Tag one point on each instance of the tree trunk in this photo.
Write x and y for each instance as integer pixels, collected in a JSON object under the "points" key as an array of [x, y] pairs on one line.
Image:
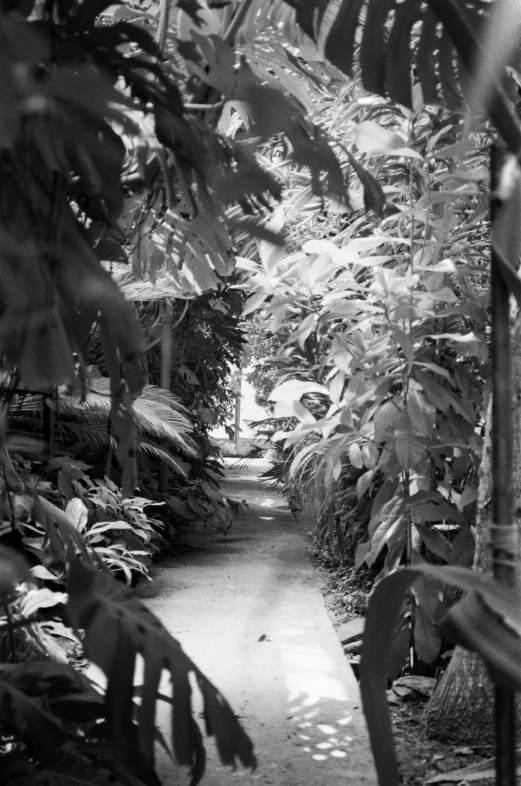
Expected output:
{"points": [[461, 708]]}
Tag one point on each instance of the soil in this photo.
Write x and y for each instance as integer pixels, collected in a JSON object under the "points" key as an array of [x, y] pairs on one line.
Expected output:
{"points": [[345, 593]]}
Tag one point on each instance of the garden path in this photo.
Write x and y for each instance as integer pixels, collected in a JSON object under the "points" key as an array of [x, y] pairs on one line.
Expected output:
{"points": [[248, 610]]}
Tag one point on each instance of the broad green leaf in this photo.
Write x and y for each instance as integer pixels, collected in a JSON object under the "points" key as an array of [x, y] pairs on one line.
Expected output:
{"points": [[374, 197], [427, 640], [363, 483], [463, 548], [41, 572], [355, 455], [117, 628], [270, 253], [64, 538], [39, 699], [459, 338], [406, 344], [78, 513], [254, 302], [370, 137], [445, 295], [364, 244], [320, 269], [401, 152], [320, 247], [400, 650], [78, 764], [390, 531], [435, 392], [432, 511], [500, 39], [478, 622], [385, 494], [421, 413], [43, 598], [468, 496], [336, 387], [409, 451], [385, 418], [293, 409], [370, 455], [301, 456], [362, 551], [294, 389], [434, 541]]}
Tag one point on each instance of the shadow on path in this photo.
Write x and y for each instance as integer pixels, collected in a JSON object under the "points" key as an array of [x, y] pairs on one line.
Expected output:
{"points": [[248, 609]]}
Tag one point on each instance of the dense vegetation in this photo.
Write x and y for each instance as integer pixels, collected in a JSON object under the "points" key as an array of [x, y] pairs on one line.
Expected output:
{"points": [[142, 149]]}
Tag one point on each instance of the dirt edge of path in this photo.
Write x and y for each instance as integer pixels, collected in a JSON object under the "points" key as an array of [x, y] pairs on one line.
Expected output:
{"points": [[345, 595]]}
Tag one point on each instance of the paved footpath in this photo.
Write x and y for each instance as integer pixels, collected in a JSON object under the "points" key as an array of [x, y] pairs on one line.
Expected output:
{"points": [[248, 610]]}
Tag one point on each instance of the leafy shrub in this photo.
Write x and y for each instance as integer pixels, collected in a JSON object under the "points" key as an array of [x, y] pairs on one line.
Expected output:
{"points": [[116, 528], [383, 364]]}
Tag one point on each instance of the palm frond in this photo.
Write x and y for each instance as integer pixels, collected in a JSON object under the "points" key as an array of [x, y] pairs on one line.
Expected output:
{"points": [[152, 450], [88, 434], [158, 413]]}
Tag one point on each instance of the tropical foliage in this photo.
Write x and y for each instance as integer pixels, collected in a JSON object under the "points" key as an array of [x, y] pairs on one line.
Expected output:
{"points": [[73, 729], [131, 138]]}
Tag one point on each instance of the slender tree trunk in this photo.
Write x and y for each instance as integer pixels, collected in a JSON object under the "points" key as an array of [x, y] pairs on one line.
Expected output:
{"points": [[462, 706]]}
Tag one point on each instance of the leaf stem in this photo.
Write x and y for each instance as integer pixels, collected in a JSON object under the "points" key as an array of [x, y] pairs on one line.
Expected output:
{"points": [[237, 20], [11, 634]]}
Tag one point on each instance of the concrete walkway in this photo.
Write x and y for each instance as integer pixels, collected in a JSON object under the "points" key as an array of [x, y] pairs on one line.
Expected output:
{"points": [[249, 611]]}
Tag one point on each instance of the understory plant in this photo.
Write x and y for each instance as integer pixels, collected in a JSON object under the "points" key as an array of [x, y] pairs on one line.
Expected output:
{"points": [[383, 366], [63, 727], [118, 530]]}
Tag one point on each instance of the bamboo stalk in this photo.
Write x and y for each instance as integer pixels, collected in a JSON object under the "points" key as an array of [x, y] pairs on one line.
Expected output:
{"points": [[502, 455]]}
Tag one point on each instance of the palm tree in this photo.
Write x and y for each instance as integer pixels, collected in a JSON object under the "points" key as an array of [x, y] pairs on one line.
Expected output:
{"points": [[163, 424]]}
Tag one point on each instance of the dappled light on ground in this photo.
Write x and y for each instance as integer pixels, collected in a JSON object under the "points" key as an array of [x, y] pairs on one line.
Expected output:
{"points": [[315, 692]]}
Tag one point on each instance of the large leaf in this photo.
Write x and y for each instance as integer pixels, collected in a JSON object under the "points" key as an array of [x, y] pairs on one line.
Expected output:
{"points": [[396, 36], [294, 389], [486, 621], [117, 628], [41, 701], [72, 766], [158, 413]]}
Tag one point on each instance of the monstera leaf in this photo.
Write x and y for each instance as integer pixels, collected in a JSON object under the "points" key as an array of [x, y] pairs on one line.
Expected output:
{"points": [[440, 39], [42, 702], [486, 621], [71, 767], [118, 628]]}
